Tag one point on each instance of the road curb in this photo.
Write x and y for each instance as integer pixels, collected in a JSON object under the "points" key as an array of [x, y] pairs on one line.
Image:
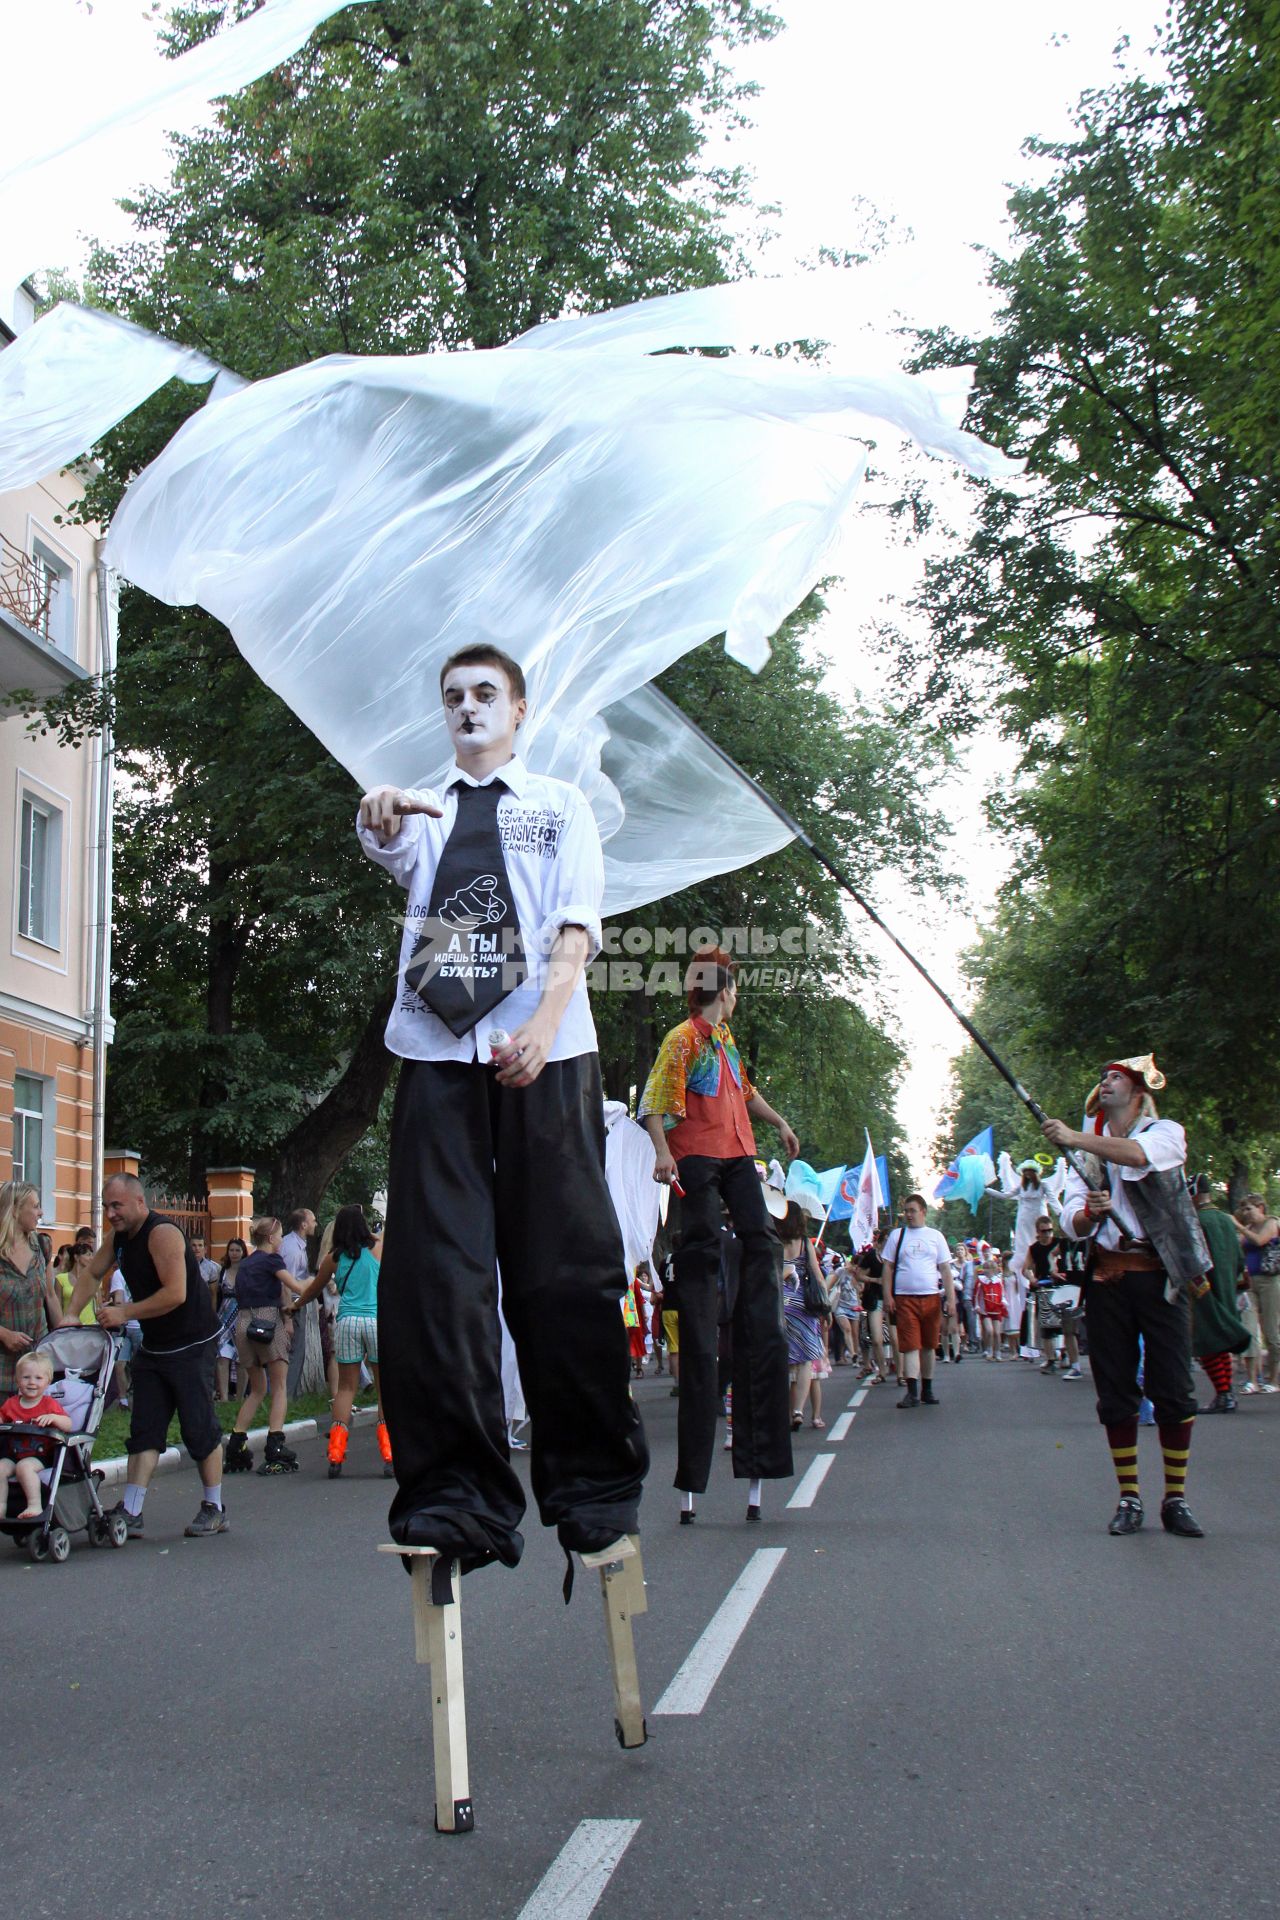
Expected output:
{"points": [[114, 1471]]}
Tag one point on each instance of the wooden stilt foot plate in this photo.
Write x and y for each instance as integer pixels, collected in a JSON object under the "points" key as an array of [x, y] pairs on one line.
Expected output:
{"points": [[437, 1636], [622, 1591]]}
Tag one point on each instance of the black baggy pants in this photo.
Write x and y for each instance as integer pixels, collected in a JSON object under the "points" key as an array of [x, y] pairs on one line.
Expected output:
{"points": [[1116, 1312], [480, 1176], [761, 1401]]}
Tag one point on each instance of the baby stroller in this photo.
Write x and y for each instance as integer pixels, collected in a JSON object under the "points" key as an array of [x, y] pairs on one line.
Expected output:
{"points": [[84, 1360]]}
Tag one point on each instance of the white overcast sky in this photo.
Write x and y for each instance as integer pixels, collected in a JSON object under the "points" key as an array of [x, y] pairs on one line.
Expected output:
{"points": [[920, 111]]}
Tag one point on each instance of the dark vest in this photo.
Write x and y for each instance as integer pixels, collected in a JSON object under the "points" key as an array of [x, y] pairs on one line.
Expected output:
{"points": [[193, 1319], [1167, 1215]]}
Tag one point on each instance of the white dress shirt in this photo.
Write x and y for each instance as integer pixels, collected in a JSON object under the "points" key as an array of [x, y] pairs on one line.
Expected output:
{"points": [[551, 845], [1165, 1144]]}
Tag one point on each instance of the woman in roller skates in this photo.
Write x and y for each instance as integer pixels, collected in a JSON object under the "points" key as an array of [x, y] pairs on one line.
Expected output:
{"points": [[352, 1265], [262, 1344]]}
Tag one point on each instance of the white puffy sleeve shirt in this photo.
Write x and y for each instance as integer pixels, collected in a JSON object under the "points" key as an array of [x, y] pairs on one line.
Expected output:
{"points": [[551, 846], [1164, 1143]]}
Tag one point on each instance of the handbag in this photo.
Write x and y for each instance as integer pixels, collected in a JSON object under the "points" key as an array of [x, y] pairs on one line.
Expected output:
{"points": [[815, 1295], [1270, 1261], [259, 1332]]}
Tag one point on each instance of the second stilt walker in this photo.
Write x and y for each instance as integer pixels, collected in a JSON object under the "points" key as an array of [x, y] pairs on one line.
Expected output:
{"points": [[697, 1106]]}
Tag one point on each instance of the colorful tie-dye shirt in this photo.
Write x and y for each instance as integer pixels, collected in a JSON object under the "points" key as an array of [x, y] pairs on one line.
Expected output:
{"points": [[700, 1087]]}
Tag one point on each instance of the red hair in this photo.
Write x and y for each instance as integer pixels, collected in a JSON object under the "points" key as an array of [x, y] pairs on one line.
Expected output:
{"points": [[709, 972]]}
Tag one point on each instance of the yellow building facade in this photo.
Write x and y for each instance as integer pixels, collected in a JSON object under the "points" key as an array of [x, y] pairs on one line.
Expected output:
{"points": [[55, 857]]}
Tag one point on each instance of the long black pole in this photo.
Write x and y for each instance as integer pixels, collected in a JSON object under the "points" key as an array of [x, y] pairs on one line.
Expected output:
{"points": [[842, 880]]}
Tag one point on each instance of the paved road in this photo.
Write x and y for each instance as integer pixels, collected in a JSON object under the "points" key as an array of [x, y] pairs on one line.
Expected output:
{"points": [[956, 1696]]}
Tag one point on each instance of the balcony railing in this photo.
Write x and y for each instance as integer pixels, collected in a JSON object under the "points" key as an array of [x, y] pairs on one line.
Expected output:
{"points": [[27, 588]]}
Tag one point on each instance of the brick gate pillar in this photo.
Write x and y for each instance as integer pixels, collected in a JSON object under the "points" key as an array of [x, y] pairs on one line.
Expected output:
{"points": [[230, 1207]]}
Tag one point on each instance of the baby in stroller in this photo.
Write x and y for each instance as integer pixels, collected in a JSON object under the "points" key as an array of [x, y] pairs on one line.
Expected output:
{"points": [[23, 1453], [72, 1370]]}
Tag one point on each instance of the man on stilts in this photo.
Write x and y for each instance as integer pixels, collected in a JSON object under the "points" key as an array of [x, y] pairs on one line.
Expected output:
{"points": [[697, 1107], [497, 1151], [1148, 1255]]}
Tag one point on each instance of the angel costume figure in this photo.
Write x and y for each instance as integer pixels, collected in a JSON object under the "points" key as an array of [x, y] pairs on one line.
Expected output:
{"points": [[1023, 1186]]}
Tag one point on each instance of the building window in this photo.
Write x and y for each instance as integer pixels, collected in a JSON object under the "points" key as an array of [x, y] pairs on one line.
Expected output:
{"points": [[29, 1129], [55, 577], [40, 872]]}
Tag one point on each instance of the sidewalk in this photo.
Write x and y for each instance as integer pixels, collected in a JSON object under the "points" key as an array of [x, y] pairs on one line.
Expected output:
{"points": [[115, 1470]]}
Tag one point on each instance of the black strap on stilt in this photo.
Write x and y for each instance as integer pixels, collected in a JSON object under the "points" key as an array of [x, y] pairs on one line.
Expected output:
{"points": [[567, 1589], [442, 1582]]}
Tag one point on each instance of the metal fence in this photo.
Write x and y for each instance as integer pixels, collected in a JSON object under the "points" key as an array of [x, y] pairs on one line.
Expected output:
{"points": [[187, 1213]]}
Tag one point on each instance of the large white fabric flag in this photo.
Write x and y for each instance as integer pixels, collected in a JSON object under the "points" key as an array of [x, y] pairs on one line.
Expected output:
{"points": [[597, 514], [77, 140]]}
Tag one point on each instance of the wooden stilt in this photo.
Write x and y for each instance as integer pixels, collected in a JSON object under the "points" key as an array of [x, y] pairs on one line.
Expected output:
{"points": [[622, 1591], [437, 1636]]}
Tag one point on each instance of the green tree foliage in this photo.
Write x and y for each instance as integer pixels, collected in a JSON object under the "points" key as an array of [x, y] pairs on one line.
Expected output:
{"points": [[1118, 612], [424, 177]]}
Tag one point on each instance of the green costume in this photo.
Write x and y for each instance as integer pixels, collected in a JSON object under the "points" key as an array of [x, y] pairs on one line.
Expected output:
{"points": [[1217, 1327]]}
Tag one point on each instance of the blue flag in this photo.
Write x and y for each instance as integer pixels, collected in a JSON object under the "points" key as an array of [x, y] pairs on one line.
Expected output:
{"points": [[951, 1185], [846, 1194]]}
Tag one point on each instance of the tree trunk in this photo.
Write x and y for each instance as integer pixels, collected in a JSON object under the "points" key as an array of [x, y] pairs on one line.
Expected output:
{"points": [[310, 1155], [1238, 1184]]}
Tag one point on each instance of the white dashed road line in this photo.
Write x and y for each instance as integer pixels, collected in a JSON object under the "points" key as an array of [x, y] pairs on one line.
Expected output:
{"points": [[840, 1428], [859, 1397], [580, 1872], [819, 1467], [691, 1687]]}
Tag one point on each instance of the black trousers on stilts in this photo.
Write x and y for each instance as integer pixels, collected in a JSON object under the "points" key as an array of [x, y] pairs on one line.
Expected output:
{"points": [[483, 1175], [761, 1402], [1116, 1312]]}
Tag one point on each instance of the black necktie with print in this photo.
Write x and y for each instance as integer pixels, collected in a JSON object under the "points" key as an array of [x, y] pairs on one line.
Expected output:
{"points": [[469, 954]]}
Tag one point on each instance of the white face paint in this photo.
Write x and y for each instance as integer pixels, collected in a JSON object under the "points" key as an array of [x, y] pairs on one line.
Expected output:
{"points": [[480, 714]]}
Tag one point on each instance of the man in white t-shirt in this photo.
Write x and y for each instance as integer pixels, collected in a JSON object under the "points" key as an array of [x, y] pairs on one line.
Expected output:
{"points": [[917, 1273]]}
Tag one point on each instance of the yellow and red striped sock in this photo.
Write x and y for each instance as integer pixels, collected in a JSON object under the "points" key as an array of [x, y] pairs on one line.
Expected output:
{"points": [[1123, 1442], [1175, 1445]]}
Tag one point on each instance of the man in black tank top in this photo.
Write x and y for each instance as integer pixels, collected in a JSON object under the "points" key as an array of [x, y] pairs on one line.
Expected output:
{"points": [[173, 1371]]}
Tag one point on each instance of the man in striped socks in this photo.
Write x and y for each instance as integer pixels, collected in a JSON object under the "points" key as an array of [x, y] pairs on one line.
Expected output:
{"points": [[1148, 1253]]}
